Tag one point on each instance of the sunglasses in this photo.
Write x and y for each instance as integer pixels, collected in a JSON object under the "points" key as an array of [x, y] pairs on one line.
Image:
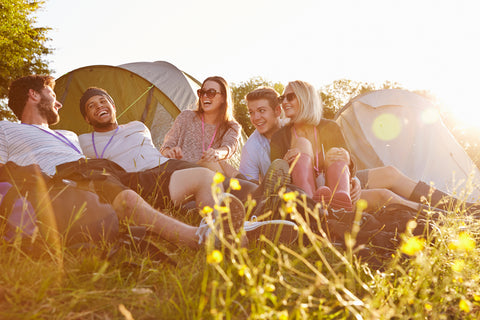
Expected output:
{"points": [[290, 96], [211, 93]]}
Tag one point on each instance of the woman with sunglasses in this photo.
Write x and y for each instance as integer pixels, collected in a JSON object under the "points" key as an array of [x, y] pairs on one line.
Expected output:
{"points": [[314, 146], [317, 150], [208, 135]]}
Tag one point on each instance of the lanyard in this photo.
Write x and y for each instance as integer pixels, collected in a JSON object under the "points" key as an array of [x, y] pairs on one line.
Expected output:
{"points": [[106, 146], [316, 167], [59, 136], [203, 135]]}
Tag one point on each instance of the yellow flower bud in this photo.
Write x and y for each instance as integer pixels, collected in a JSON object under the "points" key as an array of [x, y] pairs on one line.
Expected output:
{"points": [[214, 257], [218, 178], [234, 184]]}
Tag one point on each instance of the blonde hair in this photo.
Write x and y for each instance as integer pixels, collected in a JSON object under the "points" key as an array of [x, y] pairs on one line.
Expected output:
{"points": [[309, 101]]}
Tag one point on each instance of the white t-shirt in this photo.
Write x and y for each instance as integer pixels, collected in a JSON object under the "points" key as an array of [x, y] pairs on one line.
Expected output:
{"points": [[255, 158], [35, 144], [131, 147]]}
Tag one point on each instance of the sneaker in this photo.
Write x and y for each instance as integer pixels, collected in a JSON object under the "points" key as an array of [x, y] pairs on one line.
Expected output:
{"points": [[276, 177], [228, 224], [277, 231]]}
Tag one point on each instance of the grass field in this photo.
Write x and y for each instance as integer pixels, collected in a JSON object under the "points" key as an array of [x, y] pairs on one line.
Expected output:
{"points": [[432, 277]]}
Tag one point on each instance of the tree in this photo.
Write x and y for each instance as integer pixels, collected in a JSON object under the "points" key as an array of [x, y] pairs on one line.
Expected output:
{"points": [[240, 91], [339, 92], [22, 45]]}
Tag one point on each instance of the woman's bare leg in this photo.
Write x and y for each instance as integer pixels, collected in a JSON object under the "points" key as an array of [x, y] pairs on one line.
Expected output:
{"points": [[194, 182]]}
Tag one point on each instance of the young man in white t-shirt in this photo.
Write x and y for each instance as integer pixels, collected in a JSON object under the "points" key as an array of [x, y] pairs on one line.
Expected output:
{"points": [[155, 177], [58, 153]]}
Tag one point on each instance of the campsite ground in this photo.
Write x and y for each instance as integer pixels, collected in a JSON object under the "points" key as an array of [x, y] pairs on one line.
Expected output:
{"points": [[433, 277]]}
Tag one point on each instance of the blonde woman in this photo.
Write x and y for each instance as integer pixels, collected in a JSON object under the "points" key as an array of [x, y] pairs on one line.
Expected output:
{"points": [[317, 149], [314, 146]]}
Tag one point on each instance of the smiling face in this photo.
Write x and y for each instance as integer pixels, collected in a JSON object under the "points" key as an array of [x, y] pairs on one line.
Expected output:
{"points": [[212, 105], [263, 117], [290, 104], [100, 113], [48, 105]]}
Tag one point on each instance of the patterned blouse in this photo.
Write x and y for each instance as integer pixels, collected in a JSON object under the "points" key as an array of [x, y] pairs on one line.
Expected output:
{"points": [[187, 134]]}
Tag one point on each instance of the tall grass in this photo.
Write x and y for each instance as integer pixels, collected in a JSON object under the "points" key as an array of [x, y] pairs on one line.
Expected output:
{"points": [[431, 277]]}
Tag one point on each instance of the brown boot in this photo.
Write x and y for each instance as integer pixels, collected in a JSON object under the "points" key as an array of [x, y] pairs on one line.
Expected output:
{"points": [[338, 180], [303, 174]]}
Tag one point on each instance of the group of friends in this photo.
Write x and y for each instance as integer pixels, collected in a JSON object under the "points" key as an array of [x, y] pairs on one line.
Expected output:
{"points": [[291, 143]]}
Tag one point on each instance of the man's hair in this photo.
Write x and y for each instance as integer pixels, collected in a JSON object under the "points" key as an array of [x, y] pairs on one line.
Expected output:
{"points": [[90, 92], [311, 107], [18, 91], [266, 93]]}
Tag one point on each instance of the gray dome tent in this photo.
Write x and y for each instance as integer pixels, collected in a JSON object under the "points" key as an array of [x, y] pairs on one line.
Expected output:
{"points": [[403, 129], [151, 92]]}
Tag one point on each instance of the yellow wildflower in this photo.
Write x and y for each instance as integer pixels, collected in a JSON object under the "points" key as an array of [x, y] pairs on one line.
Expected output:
{"points": [[289, 196], [241, 271], [269, 287], [283, 315], [234, 184], [218, 178], [428, 307], [458, 265], [206, 210], [465, 242], [214, 257], [464, 305], [412, 246], [221, 209], [362, 204]]}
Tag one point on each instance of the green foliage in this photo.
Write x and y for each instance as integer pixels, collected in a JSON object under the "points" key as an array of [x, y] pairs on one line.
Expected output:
{"points": [[22, 45], [339, 92], [240, 91]]}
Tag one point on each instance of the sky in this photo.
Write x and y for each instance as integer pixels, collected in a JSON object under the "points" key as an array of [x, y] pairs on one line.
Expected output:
{"points": [[421, 44]]}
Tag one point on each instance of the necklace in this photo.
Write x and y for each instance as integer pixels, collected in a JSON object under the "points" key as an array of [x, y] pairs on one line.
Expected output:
{"points": [[106, 146], [203, 135], [57, 135]]}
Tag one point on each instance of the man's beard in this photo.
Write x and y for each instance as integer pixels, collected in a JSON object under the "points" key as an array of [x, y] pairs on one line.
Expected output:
{"points": [[47, 110]]}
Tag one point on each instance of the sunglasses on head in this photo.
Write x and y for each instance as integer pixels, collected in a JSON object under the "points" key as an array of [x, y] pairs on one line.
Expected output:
{"points": [[211, 93], [290, 96]]}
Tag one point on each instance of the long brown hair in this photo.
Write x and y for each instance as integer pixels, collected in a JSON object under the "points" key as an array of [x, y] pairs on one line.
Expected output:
{"points": [[226, 111]]}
